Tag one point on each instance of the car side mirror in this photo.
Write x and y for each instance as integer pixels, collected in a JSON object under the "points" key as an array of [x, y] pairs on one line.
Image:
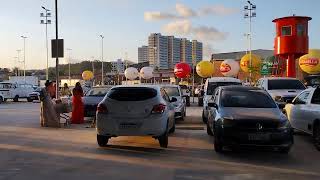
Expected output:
{"points": [[289, 101], [214, 105], [281, 106], [173, 99]]}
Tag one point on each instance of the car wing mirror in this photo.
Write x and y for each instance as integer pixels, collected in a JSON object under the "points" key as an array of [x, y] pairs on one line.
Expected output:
{"points": [[289, 101], [281, 106], [173, 99], [214, 105]]}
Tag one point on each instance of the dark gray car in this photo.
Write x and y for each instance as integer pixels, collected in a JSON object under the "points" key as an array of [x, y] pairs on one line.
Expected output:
{"points": [[247, 117], [92, 98]]}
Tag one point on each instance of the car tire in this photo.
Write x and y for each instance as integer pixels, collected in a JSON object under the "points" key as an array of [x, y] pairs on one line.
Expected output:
{"points": [[16, 98], [316, 135], [164, 138], [1, 100], [209, 131], [173, 129], [29, 99], [200, 101], [185, 112], [204, 119], [217, 144], [102, 140]]}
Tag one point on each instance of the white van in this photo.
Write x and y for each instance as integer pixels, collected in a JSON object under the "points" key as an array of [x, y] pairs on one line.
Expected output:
{"points": [[209, 88], [15, 91]]}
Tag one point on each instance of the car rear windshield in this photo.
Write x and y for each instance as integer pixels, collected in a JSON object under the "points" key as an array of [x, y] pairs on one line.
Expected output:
{"points": [[213, 85], [247, 99], [276, 84], [97, 92], [132, 93], [172, 91]]}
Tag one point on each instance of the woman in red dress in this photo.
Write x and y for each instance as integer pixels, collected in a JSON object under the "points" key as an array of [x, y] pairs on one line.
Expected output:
{"points": [[77, 105]]}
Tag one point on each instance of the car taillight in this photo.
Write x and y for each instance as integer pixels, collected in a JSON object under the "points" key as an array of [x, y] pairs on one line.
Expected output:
{"points": [[158, 109], [101, 108]]}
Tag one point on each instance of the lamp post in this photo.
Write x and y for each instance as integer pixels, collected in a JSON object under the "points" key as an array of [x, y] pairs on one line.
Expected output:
{"points": [[102, 71], [15, 65], [24, 57], [18, 51], [46, 22], [250, 13], [68, 49], [93, 70]]}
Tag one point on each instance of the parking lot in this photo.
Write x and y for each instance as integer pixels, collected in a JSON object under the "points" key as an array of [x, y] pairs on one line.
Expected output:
{"points": [[28, 151]]}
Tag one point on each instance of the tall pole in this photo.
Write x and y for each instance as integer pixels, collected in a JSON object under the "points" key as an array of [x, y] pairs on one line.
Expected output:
{"points": [[69, 65], [24, 57], [46, 15], [93, 83], [102, 71], [57, 58], [18, 51]]}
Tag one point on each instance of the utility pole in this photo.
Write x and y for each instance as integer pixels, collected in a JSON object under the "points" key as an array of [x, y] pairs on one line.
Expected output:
{"points": [[24, 57], [69, 65], [250, 13], [93, 70], [46, 22], [57, 55], [102, 71], [18, 51]]}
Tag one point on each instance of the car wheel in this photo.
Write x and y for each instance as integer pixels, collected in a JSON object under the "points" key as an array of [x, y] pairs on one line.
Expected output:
{"points": [[16, 98], [102, 140], [218, 144], [209, 132], [204, 119], [163, 139], [185, 112], [316, 135], [173, 129], [29, 99], [1, 100], [200, 102]]}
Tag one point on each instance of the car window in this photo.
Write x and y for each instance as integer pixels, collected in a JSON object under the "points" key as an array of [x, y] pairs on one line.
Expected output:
{"points": [[97, 92], [301, 99], [164, 95], [246, 99], [215, 97], [316, 97], [275, 84], [172, 91], [132, 93], [213, 85]]}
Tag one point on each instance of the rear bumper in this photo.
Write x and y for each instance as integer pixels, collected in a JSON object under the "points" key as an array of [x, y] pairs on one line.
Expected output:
{"points": [[154, 125]]}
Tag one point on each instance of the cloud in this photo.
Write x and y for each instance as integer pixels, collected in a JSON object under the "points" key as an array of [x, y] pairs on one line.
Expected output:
{"points": [[203, 33], [218, 10], [185, 11], [157, 15], [207, 51]]}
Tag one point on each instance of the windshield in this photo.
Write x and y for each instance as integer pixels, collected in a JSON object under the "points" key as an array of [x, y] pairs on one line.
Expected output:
{"points": [[247, 99], [276, 84], [97, 92], [213, 85], [172, 91]]}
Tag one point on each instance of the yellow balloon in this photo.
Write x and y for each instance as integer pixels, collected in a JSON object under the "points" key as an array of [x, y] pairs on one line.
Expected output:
{"points": [[205, 69], [87, 75], [310, 63], [245, 63]]}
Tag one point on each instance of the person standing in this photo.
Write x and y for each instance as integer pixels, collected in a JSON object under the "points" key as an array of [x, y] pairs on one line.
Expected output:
{"points": [[65, 90], [77, 116]]}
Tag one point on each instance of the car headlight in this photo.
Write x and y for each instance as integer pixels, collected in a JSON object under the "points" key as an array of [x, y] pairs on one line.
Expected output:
{"points": [[227, 122]]}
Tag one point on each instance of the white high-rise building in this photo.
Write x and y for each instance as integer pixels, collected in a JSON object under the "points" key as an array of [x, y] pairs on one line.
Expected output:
{"points": [[173, 51], [143, 52], [196, 51], [158, 51], [186, 51], [118, 66]]}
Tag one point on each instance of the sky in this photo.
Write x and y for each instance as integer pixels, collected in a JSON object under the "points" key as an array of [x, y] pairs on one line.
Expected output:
{"points": [[126, 25]]}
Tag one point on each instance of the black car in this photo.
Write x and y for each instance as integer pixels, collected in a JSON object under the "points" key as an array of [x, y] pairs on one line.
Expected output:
{"points": [[247, 117], [92, 98], [34, 96]]}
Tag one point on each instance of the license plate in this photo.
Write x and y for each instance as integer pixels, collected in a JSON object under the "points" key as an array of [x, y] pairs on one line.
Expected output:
{"points": [[128, 126], [258, 137]]}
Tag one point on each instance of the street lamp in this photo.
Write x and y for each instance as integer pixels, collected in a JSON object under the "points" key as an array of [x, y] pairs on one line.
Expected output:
{"points": [[24, 57], [18, 51], [92, 57], [102, 71], [15, 65], [68, 49], [46, 22], [250, 12]]}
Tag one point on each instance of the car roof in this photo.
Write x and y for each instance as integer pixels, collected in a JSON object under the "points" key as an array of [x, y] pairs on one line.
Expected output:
{"points": [[280, 78], [223, 79], [239, 88], [137, 85], [170, 85]]}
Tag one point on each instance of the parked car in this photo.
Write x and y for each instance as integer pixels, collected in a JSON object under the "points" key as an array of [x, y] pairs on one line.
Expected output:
{"points": [[15, 91], [200, 92], [210, 86], [247, 116], [135, 110], [312, 80], [92, 98], [281, 89], [180, 106], [34, 96], [304, 113], [186, 93]]}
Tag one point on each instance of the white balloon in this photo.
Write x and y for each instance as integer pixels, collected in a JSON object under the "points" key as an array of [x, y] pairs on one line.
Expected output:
{"points": [[131, 73], [229, 68], [146, 72]]}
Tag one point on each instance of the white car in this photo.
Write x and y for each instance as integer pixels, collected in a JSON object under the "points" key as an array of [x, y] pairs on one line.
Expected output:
{"points": [[304, 113], [209, 88], [180, 107], [281, 89], [135, 110], [15, 91]]}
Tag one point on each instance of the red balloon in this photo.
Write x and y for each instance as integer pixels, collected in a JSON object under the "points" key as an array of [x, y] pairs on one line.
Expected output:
{"points": [[182, 70]]}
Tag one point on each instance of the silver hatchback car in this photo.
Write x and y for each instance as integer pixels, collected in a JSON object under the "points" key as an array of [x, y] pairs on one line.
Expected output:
{"points": [[180, 106], [137, 110]]}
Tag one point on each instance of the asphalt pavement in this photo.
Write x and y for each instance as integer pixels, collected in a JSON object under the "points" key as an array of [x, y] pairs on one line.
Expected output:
{"points": [[28, 151]]}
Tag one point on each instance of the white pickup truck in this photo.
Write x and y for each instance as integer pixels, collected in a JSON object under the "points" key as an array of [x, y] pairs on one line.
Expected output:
{"points": [[304, 113]]}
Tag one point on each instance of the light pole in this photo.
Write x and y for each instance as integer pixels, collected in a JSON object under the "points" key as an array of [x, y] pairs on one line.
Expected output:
{"points": [[102, 71], [15, 65], [250, 13], [68, 49], [93, 70], [18, 51], [24, 57], [46, 22]]}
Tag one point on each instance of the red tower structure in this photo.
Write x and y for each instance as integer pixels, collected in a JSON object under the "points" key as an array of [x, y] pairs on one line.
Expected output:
{"points": [[291, 40]]}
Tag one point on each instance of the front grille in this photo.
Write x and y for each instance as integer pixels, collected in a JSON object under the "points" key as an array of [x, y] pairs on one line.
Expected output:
{"points": [[253, 124]]}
